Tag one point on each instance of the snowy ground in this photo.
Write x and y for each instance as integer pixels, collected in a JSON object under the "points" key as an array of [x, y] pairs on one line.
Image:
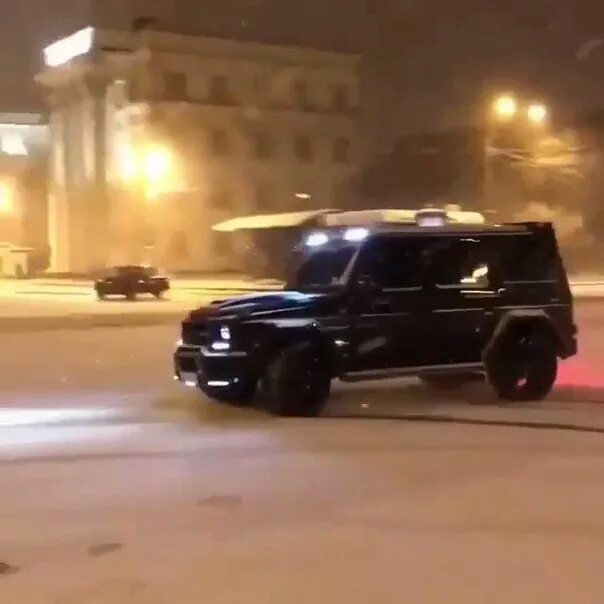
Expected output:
{"points": [[118, 487]]}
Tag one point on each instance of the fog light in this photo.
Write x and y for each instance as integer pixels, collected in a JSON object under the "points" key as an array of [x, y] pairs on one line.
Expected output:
{"points": [[221, 346]]}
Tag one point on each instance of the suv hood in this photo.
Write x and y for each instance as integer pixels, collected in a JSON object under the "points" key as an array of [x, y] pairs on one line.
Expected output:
{"points": [[288, 303]]}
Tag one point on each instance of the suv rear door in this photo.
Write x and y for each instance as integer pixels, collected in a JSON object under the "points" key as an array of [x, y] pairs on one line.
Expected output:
{"points": [[389, 322], [464, 288]]}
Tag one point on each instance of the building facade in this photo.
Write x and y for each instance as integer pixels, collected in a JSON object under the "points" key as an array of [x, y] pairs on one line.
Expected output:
{"points": [[24, 143], [156, 136]]}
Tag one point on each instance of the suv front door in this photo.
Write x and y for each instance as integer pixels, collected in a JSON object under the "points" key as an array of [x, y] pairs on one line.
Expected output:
{"points": [[389, 311]]}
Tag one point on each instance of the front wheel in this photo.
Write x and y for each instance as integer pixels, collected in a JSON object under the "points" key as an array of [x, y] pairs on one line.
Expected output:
{"points": [[101, 296], [524, 366], [296, 383]]}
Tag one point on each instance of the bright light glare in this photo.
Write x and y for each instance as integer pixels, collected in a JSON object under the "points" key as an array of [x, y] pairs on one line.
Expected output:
{"points": [[431, 221], [303, 196], [128, 164], [356, 234], [221, 346], [505, 106], [225, 332], [68, 48], [12, 144], [537, 114], [157, 165], [219, 384], [7, 203], [316, 239]]}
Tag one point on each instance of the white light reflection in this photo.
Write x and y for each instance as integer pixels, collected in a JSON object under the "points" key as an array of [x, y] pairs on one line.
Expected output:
{"points": [[317, 239]]}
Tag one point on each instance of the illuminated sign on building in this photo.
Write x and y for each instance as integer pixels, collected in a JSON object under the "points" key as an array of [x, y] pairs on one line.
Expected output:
{"points": [[68, 48]]}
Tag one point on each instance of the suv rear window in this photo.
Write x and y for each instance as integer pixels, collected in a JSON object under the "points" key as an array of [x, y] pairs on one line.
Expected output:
{"points": [[527, 258]]}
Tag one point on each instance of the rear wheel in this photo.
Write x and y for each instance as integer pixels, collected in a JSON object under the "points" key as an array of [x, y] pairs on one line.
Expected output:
{"points": [[158, 294], [524, 365], [101, 295], [130, 296], [296, 383]]}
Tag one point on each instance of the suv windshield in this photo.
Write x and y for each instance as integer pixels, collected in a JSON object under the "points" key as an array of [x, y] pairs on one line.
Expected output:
{"points": [[322, 267]]}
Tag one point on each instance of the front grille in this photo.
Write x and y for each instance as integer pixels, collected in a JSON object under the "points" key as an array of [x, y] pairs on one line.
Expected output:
{"points": [[188, 365], [194, 334]]}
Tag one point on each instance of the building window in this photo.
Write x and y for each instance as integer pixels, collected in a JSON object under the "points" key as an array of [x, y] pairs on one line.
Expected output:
{"points": [[340, 100], [260, 84], [175, 85], [219, 90], [263, 145], [303, 148], [220, 142], [341, 150], [300, 94]]}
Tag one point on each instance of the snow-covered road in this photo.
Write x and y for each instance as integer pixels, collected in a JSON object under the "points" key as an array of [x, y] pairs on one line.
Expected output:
{"points": [[118, 487]]}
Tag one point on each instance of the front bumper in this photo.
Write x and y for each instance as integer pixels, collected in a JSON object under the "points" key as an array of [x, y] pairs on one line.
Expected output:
{"points": [[186, 365], [198, 366]]}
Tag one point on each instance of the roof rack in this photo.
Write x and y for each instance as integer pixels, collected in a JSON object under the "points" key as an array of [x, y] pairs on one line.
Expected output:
{"points": [[337, 218]]}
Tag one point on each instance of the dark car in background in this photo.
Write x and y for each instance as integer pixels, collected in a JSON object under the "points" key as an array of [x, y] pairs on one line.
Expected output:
{"points": [[130, 281]]}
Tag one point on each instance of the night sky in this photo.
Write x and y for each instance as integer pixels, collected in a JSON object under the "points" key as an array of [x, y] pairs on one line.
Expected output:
{"points": [[428, 61]]}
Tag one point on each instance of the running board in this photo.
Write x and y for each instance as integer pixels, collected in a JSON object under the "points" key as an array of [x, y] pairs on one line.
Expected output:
{"points": [[378, 374]]}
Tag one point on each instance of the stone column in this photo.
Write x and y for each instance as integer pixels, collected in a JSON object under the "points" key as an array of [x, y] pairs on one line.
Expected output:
{"points": [[58, 207]]}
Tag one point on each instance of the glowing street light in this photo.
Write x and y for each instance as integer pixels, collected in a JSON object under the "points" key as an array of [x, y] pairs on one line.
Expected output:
{"points": [[505, 107], [7, 199], [157, 165], [149, 167], [537, 113]]}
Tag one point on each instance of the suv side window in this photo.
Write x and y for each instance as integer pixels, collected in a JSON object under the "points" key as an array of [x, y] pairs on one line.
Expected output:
{"points": [[394, 262], [463, 264]]}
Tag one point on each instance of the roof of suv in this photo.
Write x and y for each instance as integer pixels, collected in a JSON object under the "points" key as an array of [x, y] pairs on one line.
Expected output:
{"points": [[452, 229]]}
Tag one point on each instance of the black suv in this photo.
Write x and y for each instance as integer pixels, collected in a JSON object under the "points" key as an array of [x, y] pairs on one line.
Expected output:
{"points": [[446, 304]]}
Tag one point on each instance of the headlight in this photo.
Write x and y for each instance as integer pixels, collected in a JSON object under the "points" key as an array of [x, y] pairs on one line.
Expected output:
{"points": [[225, 332]]}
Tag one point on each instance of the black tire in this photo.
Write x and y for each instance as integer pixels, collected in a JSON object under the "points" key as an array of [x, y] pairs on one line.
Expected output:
{"points": [[449, 381], [523, 366], [296, 383], [158, 294], [101, 296], [130, 296]]}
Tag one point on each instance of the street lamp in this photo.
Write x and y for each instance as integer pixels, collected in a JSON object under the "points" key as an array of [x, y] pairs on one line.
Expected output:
{"points": [[7, 202], [536, 113], [505, 107], [149, 168]]}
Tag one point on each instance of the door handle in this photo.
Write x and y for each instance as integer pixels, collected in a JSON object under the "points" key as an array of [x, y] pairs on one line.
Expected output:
{"points": [[473, 293]]}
